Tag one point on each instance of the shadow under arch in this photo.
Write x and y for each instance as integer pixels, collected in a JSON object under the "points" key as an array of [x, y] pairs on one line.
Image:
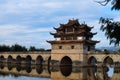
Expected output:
{"points": [[18, 59], [18, 63], [108, 60], [92, 61], [107, 65], [10, 62], [2, 59], [9, 59], [66, 61], [2, 62], [39, 60], [28, 60], [28, 68], [91, 71], [49, 62], [66, 66], [39, 69]]}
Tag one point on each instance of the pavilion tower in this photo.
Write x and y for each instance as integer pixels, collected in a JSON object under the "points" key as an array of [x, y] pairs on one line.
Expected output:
{"points": [[72, 39]]}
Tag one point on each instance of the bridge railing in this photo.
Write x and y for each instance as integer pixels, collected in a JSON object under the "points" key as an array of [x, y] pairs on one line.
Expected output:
{"points": [[103, 52], [25, 52]]}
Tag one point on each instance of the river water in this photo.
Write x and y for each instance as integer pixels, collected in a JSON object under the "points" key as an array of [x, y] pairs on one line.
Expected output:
{"points": [[39, 72]]}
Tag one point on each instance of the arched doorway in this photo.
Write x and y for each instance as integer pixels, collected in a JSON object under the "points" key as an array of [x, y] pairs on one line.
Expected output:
{"points": [[39, 60], [28, 60], [66, 61], [92, 61]]}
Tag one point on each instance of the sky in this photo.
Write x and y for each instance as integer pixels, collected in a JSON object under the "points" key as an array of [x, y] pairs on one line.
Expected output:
{"points": [[29, 22]]}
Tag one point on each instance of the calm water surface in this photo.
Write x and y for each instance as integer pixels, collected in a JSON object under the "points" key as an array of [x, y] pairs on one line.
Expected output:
{"points": [[39, 72]]}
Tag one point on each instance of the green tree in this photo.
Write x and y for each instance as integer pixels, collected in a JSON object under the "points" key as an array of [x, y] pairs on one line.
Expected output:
{"points": [[32, 48], [109, 26], [115, 4], [111, 29], [18, 48], [4, 48]]}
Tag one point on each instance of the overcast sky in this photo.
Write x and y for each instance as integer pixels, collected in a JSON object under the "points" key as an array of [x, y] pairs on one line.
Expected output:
{"points": [[28, 22]]}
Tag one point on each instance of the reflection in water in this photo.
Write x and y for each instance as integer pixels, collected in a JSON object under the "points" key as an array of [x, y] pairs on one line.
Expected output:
{"points": [[92, 71], [61, 73], [110, 71], [2, 65], [39, 69], [66, 70], [10, 66]]}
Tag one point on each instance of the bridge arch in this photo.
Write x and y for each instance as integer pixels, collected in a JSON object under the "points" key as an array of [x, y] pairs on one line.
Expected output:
{"points": [[49, 60], [66, 61], [39, 60], [9, 59], [49, 63], [92, 60], [108, 60], [28, 59], [18, 59], [2, 58]]}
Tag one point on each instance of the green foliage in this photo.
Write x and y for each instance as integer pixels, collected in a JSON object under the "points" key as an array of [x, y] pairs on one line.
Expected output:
{"points": [[17, 48], [111, 29], [32, 48], [4, 48], [115, 4]]}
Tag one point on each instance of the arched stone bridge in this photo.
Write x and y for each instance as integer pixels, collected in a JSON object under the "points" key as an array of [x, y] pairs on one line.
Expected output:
{"points": [[45, 58], [104, 58], [26, 57]]}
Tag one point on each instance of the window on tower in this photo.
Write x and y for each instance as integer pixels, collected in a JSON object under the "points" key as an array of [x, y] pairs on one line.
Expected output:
{"points": [[60, 47], [72, 47], [88, 48]]}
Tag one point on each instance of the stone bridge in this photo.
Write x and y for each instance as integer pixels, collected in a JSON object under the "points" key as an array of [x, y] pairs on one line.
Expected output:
{"points": [[26, 57], [45, 58], [104, 58]]}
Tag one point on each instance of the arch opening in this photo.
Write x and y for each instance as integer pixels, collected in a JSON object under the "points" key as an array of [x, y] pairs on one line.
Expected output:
{"points": [[108, 67], [66, 61], [108, 60], [49, 60], [2, 59], [92, 61], [28, 60], [39, 60], [9, 59], [18, 60], [49, 63]]}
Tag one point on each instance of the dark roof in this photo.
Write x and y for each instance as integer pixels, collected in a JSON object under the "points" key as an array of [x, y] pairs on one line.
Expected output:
{"points": [[73, 41]]}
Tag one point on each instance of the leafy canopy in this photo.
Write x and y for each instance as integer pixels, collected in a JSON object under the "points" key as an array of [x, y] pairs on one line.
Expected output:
{"points": [[115, 4], [111, 29]]}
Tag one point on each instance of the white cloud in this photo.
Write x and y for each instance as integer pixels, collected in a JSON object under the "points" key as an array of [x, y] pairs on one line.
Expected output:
{"points": [[29, 22]]}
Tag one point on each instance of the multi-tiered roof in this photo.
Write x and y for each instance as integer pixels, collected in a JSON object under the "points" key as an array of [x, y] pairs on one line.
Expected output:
{"points": [[73, 31]]}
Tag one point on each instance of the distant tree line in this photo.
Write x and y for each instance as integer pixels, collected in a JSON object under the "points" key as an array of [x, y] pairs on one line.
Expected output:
{"points": [[19, 48]]}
